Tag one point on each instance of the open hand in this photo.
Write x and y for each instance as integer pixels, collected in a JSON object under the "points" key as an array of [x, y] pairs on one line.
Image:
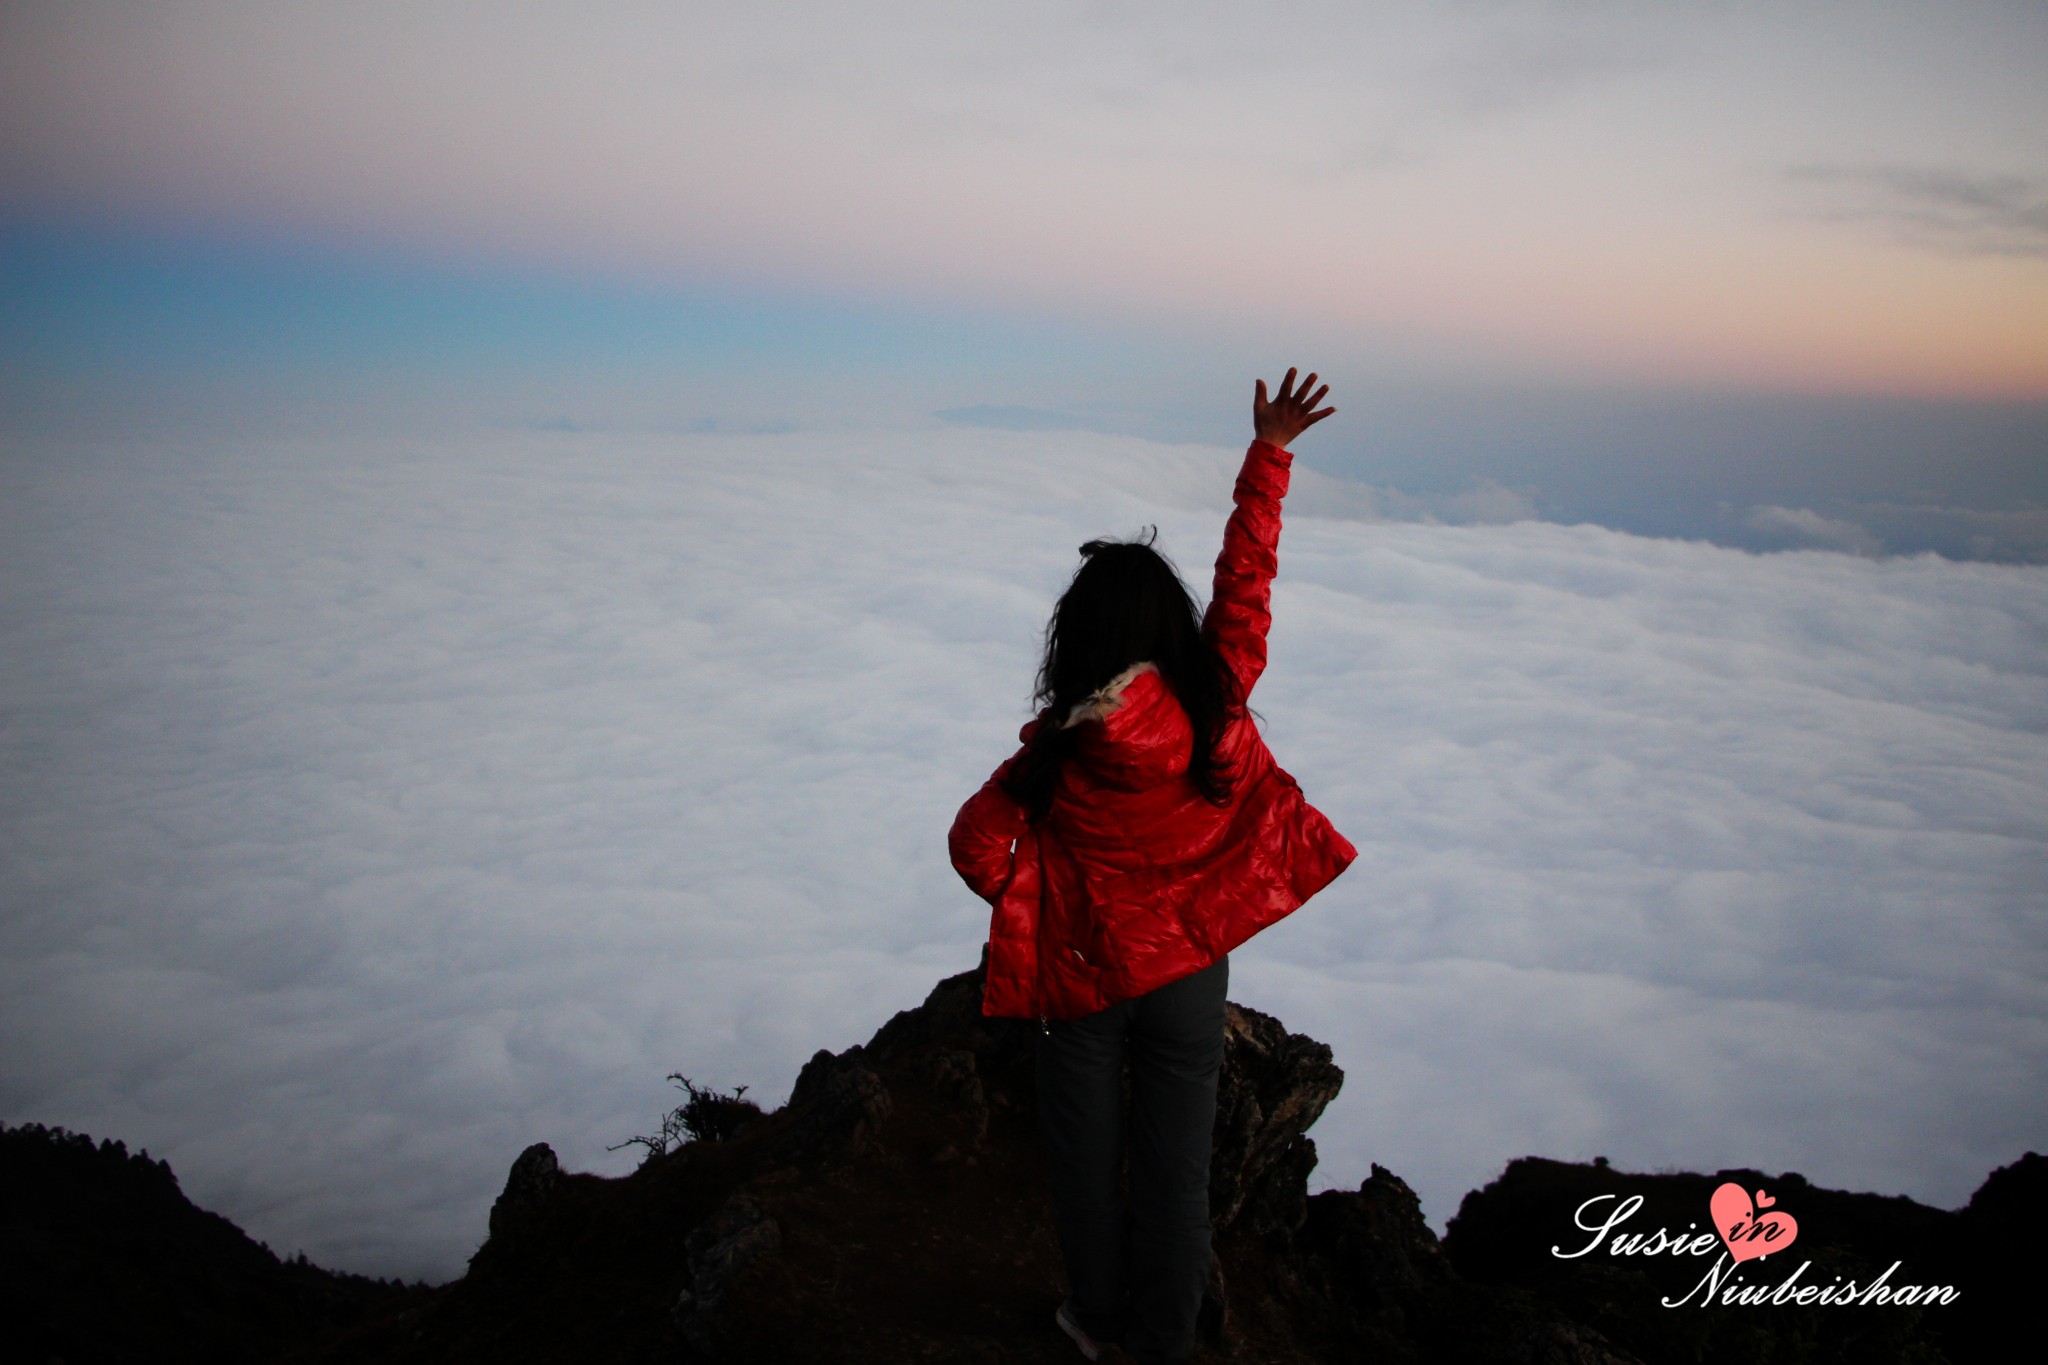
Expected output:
{"points": [[1288, 415]]}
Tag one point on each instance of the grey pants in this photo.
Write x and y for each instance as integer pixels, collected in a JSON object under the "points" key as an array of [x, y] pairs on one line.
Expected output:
{"points": [[1139, 1279]]}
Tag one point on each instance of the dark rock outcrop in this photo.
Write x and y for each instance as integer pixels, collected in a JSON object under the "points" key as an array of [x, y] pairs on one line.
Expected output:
{"points": [[1275, 1084], [896, 1210], [532, 1179], [720, 1247], [837, 1108]]}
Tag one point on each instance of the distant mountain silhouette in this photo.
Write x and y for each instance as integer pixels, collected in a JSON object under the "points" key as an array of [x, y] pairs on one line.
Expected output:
{"points": [[896, 1210], [103, 1259]]}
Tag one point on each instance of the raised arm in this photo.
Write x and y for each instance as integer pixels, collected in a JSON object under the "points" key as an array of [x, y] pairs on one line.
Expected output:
{"points": [[1240, 605]]}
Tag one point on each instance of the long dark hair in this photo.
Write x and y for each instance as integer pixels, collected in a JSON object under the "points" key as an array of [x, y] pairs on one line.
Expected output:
{"points": [[1126, 605]]}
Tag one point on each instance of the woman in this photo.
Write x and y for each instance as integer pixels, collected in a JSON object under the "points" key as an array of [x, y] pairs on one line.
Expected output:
{"points": [[1142, 832]]}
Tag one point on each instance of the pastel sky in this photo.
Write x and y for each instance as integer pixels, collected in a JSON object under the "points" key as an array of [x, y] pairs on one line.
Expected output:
{"points": [[1811, 196], [1771, 275]]}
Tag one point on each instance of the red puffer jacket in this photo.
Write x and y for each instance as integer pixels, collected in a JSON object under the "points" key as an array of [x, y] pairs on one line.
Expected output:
{"points": [[1134, 880]]}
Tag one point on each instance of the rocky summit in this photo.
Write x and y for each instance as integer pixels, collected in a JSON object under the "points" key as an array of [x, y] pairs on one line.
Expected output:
{"points": [[895, 1209]]}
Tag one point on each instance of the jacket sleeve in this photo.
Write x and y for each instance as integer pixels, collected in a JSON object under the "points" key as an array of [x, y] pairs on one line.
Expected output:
{"points": [[1240, 607], [983, 834]]}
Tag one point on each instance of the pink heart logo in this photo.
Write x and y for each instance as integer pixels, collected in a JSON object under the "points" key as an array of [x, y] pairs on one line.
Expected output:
{"points": [[1747, 1232]]}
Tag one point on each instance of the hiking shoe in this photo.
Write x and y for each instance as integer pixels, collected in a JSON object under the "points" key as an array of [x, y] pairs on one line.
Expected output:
{"points": [[1063, 1318]]}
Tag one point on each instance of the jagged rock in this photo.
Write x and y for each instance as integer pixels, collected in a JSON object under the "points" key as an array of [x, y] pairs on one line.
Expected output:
{"points": [[1275, 1084], [840, 1106], [1380, 1250], [532, 1179], [719, 1248], [953, 1076]]}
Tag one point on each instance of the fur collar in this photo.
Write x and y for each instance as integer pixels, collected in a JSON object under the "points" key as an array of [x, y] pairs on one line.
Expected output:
{"points": [[1104, 700]]}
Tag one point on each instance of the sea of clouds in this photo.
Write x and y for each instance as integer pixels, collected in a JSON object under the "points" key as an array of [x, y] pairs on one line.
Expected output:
{"points": [[371, 810]]}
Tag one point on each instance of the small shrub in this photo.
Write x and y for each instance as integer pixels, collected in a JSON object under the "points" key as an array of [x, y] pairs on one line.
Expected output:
{"points": [[707, 1115]]}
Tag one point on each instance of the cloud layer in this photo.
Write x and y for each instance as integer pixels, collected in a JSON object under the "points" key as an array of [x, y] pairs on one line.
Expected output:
{"points": [[377, 808]]}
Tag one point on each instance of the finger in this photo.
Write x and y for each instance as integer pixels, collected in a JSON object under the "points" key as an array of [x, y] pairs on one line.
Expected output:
{"points": [[1259, 394], [1287, 385], [1316, 417], [1301, 394], [1311, 402]]}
